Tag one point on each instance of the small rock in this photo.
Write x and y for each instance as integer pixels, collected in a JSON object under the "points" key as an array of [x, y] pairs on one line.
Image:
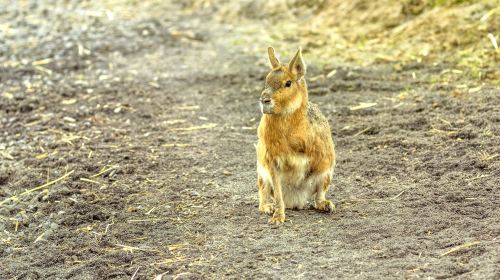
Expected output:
{"points": [[194, 193]]}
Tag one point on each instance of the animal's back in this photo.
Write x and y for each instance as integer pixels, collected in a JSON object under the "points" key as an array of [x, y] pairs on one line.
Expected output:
{"points": [[316, 119], [314, 114], [321, 134]]}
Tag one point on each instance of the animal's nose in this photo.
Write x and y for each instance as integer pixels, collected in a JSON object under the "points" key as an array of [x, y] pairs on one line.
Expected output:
{"points": [[265, 100], [265, 97]]}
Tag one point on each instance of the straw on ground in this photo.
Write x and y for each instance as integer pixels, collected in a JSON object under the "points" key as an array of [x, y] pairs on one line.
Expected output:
{"points": [[38, 188]]}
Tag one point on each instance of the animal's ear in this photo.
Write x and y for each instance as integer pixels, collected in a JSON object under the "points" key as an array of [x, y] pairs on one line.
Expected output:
{"points": [[297, 65], [272, 58]]}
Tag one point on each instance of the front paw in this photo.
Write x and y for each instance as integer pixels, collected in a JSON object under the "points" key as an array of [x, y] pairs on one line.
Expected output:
{"points": [[266, 208], [326, 206], [278, 218]]}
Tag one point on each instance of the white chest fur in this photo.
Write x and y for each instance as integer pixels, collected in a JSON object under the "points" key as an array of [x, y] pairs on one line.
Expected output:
{"points": [[292, 169]]}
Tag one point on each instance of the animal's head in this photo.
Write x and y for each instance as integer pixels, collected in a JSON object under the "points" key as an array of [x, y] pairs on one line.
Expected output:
{"points": [[285, 89]]}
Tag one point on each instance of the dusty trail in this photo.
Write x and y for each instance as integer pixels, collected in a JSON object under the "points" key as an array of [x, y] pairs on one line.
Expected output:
{"points": [[174, 116]]}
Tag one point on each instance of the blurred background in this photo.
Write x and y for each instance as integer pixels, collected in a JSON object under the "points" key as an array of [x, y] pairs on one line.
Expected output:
{"points": [[458, 33], [461, 34]]}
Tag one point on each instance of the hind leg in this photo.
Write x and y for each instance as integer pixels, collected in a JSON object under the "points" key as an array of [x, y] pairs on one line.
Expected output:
{"points": [[264, 191], [321, 203]]}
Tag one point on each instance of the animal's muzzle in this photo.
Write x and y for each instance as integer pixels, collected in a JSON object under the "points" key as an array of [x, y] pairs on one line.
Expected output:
{"points": [[265, 100]]}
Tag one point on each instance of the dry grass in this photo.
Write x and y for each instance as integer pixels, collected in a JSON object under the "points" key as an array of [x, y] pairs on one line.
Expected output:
{"points": [[48, 184], [460, 248], [461, 32]]}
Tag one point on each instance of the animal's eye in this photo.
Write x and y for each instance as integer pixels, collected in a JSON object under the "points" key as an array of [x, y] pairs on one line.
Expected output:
{"points": [[288, 83]]}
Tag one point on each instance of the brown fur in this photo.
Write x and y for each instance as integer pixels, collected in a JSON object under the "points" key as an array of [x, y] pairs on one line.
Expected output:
{"points": [[295, 152]]}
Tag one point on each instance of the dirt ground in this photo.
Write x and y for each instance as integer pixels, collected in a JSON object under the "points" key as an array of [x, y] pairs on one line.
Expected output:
{"points": [[150, 126]]}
